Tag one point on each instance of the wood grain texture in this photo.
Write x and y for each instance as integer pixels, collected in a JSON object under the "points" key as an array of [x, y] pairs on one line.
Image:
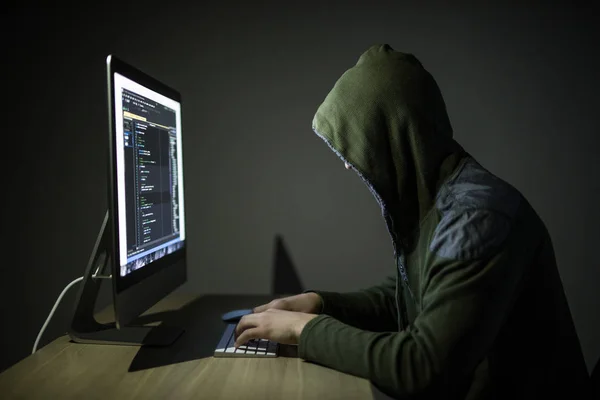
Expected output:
{"points": [[184, 370]]}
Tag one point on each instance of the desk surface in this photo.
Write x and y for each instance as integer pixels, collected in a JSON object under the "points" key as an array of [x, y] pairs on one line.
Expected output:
{"points": [[186, 369]]}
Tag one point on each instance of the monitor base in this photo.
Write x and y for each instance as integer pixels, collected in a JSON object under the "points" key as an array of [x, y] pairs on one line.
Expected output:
{"points": [[84, 326], [161, 335]]}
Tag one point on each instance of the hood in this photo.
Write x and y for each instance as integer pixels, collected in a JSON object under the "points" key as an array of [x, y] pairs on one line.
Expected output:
{"points": [[387, 119]]}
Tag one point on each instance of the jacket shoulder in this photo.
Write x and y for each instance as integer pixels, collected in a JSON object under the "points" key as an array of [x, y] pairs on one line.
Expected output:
{"points": [[477, 210]]}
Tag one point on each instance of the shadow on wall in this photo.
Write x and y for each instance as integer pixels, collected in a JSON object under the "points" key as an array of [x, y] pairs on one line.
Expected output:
{"points": [[285, 277], [596, 380]]}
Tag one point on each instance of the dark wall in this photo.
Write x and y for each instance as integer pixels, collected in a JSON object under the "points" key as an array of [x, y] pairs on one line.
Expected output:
{"points": [[520, 85]]}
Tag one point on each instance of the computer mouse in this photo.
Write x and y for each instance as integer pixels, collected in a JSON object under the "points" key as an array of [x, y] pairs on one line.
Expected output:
{"points": [[234, 316]]}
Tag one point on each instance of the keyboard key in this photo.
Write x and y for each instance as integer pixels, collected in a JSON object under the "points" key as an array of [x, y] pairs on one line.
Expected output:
{"points": [[252, 345], [272, 348], [262, 345]]}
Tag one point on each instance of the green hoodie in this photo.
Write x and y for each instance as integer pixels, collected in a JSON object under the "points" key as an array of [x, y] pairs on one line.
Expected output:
{"points": [[476, 308]]}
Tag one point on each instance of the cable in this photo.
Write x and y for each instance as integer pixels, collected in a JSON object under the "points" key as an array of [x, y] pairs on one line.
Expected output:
{"points": [[39, 336]]}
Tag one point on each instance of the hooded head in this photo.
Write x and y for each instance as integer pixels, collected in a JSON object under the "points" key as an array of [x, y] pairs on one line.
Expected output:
{"points": [[386, 118]]}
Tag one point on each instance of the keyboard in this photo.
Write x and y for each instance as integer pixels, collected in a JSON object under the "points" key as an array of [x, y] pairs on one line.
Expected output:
{"points": [[254, 348]]}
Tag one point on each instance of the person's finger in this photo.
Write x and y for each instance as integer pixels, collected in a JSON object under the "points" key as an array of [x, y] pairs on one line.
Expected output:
{"points": [[261, 308], [246, 322], [247, 335], [275, 304]]}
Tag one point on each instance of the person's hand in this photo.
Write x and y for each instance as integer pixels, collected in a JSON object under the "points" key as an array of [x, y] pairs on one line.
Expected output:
{"points": [[279, 326], [310, 303]]}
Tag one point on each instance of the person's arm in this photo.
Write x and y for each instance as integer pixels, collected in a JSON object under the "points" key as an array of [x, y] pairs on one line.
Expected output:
{"points": [[464, 306], [371, 309]]}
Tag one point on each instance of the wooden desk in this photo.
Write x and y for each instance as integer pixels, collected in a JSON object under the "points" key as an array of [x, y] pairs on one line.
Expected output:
{"points": [[186, 369]]}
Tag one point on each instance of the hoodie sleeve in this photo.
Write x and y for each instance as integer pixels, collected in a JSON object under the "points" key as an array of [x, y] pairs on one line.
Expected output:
{"points": [[371, 309], [464, 306]]}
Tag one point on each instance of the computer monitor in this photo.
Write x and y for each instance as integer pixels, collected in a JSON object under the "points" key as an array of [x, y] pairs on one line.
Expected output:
{"points": [[142, 241]]}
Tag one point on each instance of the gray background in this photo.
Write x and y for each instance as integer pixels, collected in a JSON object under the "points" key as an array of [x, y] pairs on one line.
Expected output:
{"points": [[520, 83]]}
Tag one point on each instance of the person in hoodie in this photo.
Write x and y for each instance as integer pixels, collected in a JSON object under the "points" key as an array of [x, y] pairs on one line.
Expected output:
{"points": [[475, 308]]}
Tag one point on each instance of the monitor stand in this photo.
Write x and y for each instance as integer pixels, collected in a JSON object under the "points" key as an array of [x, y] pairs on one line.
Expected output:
{"points": [[84, 326]]}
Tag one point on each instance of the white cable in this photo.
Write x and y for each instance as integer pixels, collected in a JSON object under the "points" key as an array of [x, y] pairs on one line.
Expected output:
{"points": [[39, 336]]}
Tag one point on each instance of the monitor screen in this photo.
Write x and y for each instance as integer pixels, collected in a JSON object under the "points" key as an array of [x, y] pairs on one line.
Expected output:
{"points": [[149, 175]]}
